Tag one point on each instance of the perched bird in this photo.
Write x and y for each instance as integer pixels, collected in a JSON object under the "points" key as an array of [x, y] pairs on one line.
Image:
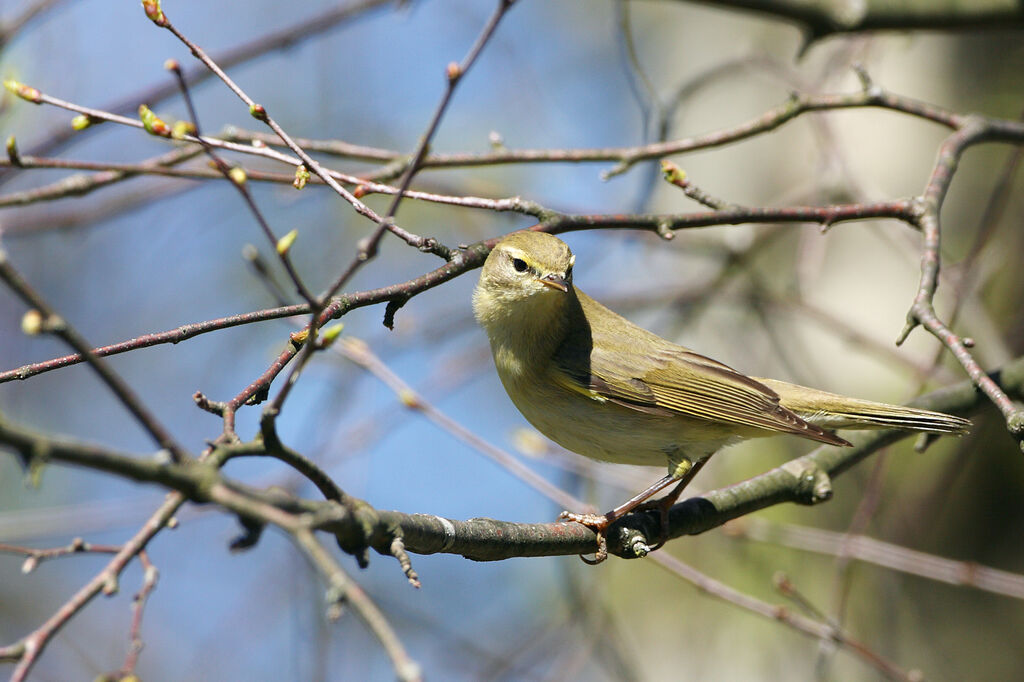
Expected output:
{"points": [[597, 384]]}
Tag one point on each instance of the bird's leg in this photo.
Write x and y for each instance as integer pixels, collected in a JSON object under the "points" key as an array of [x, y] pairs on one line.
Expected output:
{"points": [[600, 522], [686, 471]]}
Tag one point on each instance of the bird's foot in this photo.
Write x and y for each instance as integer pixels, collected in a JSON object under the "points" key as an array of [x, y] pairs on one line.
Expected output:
{"points": [[599, 524]]}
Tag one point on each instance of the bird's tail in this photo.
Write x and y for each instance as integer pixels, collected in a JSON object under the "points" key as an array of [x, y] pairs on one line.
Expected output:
{"points": [[832, 411]]}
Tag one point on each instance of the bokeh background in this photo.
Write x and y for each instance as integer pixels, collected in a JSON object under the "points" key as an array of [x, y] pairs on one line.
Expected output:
{"points": [[150, 254]]}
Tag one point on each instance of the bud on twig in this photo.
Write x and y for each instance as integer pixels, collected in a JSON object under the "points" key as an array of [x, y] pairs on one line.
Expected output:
{"points": [[237, 175], [153, 124], [301, 176], [26, 92], [12, 151], [331, 334], [284, 244], [155, 12], [32, 322]]}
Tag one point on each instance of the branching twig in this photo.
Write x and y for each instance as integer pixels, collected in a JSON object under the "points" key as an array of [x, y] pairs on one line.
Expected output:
{"points": [[279, 39], [27, 650], [238, 181], [455, 72], [922, 312], [159, 18]]}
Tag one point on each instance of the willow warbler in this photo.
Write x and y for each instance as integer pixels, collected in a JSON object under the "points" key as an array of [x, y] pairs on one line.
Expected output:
{"points": [[601, 386]]}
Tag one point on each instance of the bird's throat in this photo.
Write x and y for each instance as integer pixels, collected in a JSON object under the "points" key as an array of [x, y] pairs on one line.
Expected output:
{"points": [[526, 339]]}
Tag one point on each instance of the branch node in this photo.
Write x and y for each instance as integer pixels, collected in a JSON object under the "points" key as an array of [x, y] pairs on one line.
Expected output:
{"points": [[813, 483], [638, 547], [336, 597], [163, 457], [1015, 424], [212, 406], [864, 77], [618, 169], [665, 231], [912, 322], [397, 550], [392, 307], [110, 585], [35, 461], [250, 535]]}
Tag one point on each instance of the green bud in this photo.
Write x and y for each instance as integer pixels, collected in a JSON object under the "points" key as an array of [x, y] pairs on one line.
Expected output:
{"points": [[237, 175], [12, 150], [301, 176], [153, 124], [330, 334], [81, 122], [155, 12], [285, 242], [182, 128], [26, 92], [32, 322], [672, 172]]}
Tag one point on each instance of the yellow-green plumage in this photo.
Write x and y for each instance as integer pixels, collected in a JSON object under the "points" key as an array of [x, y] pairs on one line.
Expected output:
{"points": [[601, 386]]}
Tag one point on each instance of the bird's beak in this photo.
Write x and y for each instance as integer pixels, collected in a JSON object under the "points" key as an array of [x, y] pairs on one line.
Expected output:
{"points": [[555, 282]]}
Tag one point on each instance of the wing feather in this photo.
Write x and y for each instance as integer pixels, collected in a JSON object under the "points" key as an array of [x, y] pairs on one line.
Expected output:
{"points": [[603, 362]]}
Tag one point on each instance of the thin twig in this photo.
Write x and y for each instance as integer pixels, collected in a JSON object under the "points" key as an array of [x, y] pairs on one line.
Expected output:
{"points": [[922, 312], [260, 113], [796, 622], [358, 352], [42, 318], [27, 650], [150, 576], [368, 246], [279, 39], [239, 183], [880, 553]]}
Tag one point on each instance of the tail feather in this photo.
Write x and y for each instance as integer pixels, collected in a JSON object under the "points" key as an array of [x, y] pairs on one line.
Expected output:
{"points": [[833, 411]]}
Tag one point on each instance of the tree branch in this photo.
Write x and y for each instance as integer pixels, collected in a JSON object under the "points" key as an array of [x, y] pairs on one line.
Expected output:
{"points": [[806, 480], [822, 18]]}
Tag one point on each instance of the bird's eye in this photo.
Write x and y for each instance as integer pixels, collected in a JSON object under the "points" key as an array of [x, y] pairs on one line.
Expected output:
{"points": [[519, 264]]}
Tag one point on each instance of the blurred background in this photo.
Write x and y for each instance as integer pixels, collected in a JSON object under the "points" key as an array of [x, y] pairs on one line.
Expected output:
{"points": [[783, 301]]}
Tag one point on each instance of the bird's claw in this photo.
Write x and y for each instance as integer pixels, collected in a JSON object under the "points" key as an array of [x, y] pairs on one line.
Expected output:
{"points": [[599, 524]]}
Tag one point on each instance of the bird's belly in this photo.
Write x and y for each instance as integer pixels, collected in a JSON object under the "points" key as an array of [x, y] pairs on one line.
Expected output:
{"points": [[614, 433]]}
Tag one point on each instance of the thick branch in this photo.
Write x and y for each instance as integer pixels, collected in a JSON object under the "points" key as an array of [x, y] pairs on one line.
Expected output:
{"points": [[821, 18], [805, 480]]}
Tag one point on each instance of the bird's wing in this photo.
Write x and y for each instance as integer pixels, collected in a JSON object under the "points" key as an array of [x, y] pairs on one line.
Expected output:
{"points": [[668, 379]]}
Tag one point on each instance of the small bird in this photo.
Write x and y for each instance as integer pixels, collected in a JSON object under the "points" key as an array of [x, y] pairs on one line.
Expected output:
{"points": [[599, 385]]}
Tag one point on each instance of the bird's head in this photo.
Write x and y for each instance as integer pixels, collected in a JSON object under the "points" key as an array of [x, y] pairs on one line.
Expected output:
{"points": [[527, 273]]}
